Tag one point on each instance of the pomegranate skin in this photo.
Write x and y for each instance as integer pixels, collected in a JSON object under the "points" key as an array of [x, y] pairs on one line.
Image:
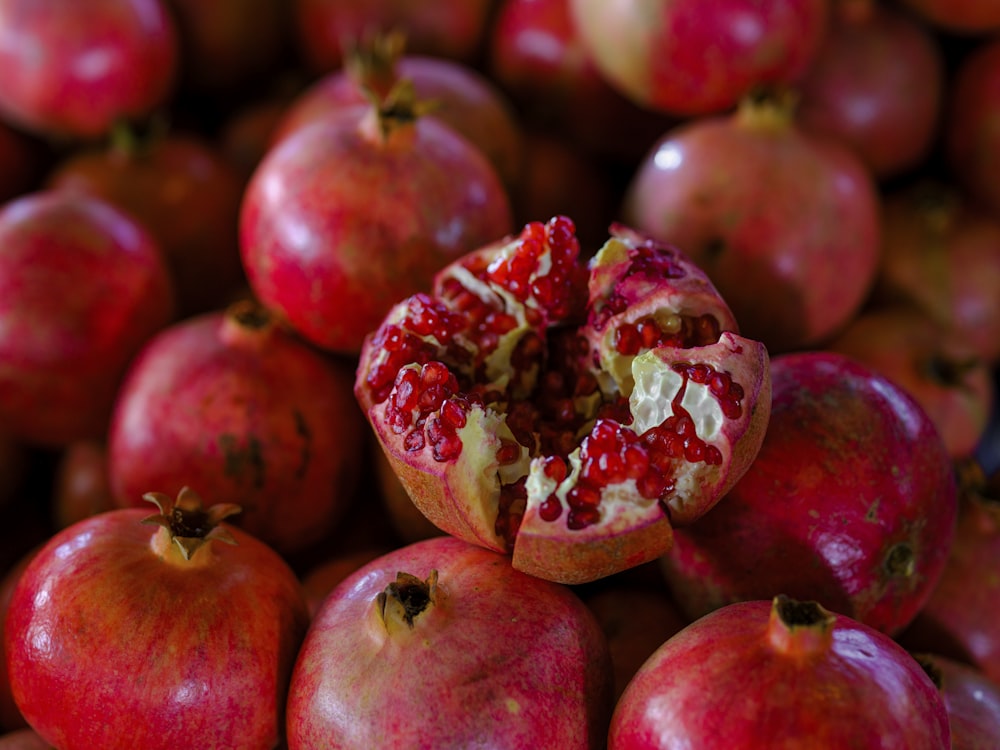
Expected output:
{"points": [[494, 654], [234, 406], [795, 267], [125, 627], [338, 223], [972, 700], [74, 69], [851, 501], [746, 676], [877, 84], [51, 325]]}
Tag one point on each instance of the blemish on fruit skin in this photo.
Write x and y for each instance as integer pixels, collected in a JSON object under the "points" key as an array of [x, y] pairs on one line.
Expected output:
{"points": [[302, 430], [512, 706], [242, 459], [872, 515]]}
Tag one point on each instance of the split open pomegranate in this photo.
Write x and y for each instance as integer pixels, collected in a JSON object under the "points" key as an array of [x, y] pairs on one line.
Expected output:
{"points": [[566, 411]]}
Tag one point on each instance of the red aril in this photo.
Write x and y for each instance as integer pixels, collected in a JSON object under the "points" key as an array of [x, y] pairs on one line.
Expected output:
{"points": [[73, 70], [347, 216], [82, 287], [233, 405], [781, 673], [441, 644], [785, 224], [686, 57], [128, 615], [851, 501], [877, 84], [566, 412]]}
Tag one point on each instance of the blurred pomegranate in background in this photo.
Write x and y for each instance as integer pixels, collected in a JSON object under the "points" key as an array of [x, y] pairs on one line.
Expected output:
{"points": [[877, 84], [82, 287], [74, 70]]}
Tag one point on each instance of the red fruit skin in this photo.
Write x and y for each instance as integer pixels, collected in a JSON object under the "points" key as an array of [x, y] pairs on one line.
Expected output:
{"points": [[971, 129], [654, 51], [960, 620], [535, 53], [186, 194], [795, 267], [941, 252], [122, 628], [337, 224], [80, 484], [52, 325], [972, 700], [877, 84], [945, 375], [242, 412], [70, 69], [446, 28], [722, 682], [23, 739], [462, 98], [500, 655], [10, 715], [851, 501]]}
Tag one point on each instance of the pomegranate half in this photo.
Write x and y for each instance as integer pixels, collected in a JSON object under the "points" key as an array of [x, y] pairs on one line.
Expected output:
{"points": [[566, 412]]}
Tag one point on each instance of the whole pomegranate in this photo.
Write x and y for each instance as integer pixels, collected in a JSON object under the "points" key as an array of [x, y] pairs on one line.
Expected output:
{"points": [[779, 673], [23, 739], [851, 501], [82, 287], [441, 644], [184, 192], [127, 615], [786, 224], [877, 84], [688, 58], [972, 701], [945, 374], [234, 406], [347, 216], [80, 483], [562, 411], [459, 96], [941, 252], [74, 70]]}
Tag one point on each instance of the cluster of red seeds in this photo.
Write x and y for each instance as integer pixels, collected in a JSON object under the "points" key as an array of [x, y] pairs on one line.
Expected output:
{"points": [[612, 453], [651, 260], [696, 330]]}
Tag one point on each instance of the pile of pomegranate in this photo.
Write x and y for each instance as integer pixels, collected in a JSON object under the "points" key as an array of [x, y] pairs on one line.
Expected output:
{"points": [[499, 373]]}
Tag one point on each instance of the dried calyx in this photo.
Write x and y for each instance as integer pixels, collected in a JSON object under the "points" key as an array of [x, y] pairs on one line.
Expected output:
{"points": [[185, 524]]}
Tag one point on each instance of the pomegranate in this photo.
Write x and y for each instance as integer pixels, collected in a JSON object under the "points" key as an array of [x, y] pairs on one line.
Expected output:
{"points": [[233, 405], [443, 644], [942, 253], [458, 95], [804, 677], [972, 701], [82, 287], [127, 615], [971, 133], [567, 413], [23, 739], [945, 375], [795, 267], [184, 192], [323, 577], [687, 58], [877, 84], [347, 216], [408, 523], [10, 715], [851, 501], [452, 29], [74, 70], [536, 54], [960, 619]]}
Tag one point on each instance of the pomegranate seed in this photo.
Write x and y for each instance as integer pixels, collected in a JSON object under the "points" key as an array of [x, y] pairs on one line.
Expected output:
{"points": [[581, 518], [550, 509], [508, 452], [453, 415], [554, 468], [414, 441], [448, 448], [627, 340], [583, 496]]}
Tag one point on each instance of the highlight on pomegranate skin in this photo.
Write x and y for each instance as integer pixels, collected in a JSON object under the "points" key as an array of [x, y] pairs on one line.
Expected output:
{"points": [[566, 412]]}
